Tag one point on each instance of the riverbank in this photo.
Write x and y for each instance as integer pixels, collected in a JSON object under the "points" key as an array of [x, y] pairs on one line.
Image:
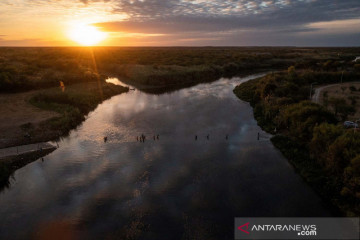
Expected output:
{"points": [[324, 154], [14, 158], [48, 114], [179, 80]]}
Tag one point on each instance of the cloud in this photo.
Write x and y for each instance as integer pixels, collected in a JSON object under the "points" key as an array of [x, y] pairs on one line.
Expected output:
{"points": [[285, 18], [190, 15], [230, 22]]}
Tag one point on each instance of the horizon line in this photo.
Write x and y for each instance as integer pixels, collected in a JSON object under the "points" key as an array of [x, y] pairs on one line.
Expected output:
{"points": [[179, 46]]}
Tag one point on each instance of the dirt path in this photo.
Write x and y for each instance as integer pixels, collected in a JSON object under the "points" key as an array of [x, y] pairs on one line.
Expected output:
{"points": [[15, 112], [341, 91], [316, 97]]}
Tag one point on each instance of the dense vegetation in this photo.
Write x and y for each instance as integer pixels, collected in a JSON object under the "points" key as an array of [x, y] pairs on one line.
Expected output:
{"points": [[311, 136], [23, 69]]}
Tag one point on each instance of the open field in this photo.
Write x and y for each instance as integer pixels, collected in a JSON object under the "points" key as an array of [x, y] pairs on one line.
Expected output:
{"points": [[18, 114], [349, 92], [43, 115]]}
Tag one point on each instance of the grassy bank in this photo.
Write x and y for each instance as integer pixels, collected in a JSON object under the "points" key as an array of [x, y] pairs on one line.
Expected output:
{"points": [[310, 136], [73, 105]]}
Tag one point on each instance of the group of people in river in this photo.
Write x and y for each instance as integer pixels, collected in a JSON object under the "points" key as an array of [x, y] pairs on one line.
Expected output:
{"points": [[142, 137], [208, 137]]}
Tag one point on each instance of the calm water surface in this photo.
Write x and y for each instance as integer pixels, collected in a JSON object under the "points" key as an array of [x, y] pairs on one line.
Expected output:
{"points": [[171, 188]]}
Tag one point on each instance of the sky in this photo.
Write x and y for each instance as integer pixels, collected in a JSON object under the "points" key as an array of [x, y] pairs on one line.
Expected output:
{"points": [[183, 22]]}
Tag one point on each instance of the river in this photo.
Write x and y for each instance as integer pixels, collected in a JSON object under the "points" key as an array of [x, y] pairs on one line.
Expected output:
{"points": [[174, 187]]}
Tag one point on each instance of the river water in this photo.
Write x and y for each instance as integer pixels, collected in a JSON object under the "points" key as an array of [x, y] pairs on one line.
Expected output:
{"points": [[174, 187]]}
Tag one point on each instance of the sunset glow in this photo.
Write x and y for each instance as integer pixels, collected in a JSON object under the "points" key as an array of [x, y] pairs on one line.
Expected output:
{"points": [[86, 35], [179, 23]]}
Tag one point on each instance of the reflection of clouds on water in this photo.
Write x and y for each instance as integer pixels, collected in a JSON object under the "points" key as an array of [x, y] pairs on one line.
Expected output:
{"points": [[108, 187]]}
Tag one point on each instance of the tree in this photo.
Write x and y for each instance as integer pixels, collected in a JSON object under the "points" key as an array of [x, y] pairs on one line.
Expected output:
{"points": [[327, 65], [291, 70], [301, 118], [352, 179], [341, 151], [341, 108], [292, 73], [345, 111], [352, 89], [323, 136], [268, 89], [353, 100]]}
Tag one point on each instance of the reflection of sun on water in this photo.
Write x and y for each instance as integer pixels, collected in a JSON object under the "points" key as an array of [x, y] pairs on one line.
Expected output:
{"points": [[86, 35]]}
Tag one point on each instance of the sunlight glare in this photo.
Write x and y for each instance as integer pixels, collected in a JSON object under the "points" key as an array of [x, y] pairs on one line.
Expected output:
{"points": [[86, 35]]}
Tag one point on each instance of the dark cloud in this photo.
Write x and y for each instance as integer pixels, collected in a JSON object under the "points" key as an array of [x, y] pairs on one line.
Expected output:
{"points": [[229, 17], [294, 10]]}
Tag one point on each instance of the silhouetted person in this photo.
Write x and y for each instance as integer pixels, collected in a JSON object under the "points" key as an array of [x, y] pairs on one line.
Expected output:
{"points": [[258, 136], [137, 138], [154, 137], [105, 139], [208, 137], [226, 137], [195, 137], [157, 136]]}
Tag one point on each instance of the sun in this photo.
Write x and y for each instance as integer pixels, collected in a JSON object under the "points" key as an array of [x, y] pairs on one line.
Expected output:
{"points": [[86, 35]]}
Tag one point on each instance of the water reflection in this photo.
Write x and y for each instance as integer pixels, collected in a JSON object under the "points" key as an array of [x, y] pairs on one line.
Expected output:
{"points": [[172, 188]]}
